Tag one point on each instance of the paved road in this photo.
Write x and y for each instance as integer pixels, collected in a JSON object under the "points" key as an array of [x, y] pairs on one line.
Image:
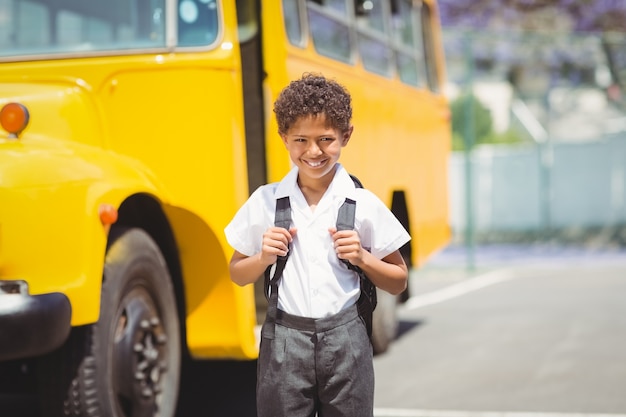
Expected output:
{"points": [[535, 331], [531, 330]]}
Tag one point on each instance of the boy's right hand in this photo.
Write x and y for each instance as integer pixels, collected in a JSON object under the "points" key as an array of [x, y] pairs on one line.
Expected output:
{"points": [[276, 243]]}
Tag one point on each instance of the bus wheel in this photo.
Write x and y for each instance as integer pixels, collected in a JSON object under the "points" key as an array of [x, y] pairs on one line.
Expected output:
{"points": [[384, 321], [128, 363]]}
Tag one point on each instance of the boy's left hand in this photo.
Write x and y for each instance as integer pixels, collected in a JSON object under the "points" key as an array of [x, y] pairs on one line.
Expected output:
{"points": [[347, 245]]}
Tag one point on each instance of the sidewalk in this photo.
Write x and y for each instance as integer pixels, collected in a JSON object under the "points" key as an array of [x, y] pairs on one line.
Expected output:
{"points": [[455, 264]]}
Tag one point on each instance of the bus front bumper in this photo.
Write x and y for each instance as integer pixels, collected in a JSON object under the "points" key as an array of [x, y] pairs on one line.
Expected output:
{"points": [[31, 325]]}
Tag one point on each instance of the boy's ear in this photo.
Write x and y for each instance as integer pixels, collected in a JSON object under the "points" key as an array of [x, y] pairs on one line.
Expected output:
{"points": [[346, 135], [283, 137]]}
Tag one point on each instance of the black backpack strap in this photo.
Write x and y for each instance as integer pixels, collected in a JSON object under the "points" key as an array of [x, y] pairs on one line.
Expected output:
{"points": [[357, 182], [367, 300], [282, 218], [345, 217]]}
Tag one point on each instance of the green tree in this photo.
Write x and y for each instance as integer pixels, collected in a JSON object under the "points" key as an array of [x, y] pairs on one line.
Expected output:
{"points": [[482, 121]]}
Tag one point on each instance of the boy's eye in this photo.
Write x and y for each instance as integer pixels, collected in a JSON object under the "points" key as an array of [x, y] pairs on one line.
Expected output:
{"points": [[327, 139]]}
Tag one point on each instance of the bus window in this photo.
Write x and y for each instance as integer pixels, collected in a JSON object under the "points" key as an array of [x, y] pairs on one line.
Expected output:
{"points": [[369, 15], [73, 26], [32, 27], [334, 6], [197, 22], [330, 30], [373, 49], [403, 22], [406, 28], [428, 58], [291, 19], [25, 26]]}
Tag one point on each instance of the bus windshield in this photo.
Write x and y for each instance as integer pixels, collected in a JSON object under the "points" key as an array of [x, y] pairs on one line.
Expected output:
{"points": [[45, 27]]}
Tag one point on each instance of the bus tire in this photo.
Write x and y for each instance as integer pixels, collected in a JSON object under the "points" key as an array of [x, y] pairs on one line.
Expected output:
{"points": [[128, 363], [384, 321]]}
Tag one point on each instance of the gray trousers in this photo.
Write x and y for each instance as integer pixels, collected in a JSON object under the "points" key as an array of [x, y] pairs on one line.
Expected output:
{"points": [[315, 367]]}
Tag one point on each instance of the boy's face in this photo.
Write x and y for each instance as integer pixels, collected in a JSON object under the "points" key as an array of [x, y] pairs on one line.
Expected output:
{"points": [[314, 147]]}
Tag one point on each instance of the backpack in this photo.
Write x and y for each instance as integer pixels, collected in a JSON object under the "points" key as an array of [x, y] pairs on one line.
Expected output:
{"points": [[345, 221]]}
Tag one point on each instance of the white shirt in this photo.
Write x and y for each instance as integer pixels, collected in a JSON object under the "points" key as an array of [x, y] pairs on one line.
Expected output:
{"points": [[315, 283]]}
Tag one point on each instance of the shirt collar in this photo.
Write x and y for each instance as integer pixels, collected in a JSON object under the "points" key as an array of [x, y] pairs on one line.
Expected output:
{"points": [[288, 185], [341, 185]]}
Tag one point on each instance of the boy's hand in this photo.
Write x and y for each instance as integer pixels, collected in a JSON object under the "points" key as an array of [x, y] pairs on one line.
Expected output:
{"points": [[347, 245], [275, 243]]}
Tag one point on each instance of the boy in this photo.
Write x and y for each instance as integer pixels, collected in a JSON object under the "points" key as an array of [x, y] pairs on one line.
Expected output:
{"points": [[315, 354]]}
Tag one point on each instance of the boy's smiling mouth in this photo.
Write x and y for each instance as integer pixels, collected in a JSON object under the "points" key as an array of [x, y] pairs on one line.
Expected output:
{"points": [[315, 164]]}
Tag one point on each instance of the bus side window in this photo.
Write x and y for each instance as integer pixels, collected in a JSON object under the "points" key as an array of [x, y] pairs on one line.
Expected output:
{"points": [[197, 22], [427, 42], [291, 16], [407, 41], [25, 28], [71, 26], [372, 36], [330, 30]]}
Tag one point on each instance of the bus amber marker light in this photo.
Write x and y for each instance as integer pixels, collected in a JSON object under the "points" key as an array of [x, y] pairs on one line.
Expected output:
{"points": [[108, 215], [14, 118]]}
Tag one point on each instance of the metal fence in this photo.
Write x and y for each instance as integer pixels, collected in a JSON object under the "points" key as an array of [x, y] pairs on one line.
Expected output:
{"points": [[562, 94], [566, 186]]}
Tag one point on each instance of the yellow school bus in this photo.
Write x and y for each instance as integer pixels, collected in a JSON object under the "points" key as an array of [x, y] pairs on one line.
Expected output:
{"points": [[133, 130]]}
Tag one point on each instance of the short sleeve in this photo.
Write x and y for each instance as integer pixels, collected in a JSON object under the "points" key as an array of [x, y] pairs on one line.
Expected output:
{"points": [[245, 231], [380, 231]]}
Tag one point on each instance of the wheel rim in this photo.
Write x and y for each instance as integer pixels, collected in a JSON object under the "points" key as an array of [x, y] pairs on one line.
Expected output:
{"points": [[139, 355]]}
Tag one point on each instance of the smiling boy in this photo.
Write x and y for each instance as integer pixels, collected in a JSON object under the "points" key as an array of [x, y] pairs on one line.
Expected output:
{"points": [[317, 358]]}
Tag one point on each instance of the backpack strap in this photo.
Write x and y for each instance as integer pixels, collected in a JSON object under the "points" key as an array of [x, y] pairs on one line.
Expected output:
{"points": [[345, 217], [282, 218], [367, 300]]}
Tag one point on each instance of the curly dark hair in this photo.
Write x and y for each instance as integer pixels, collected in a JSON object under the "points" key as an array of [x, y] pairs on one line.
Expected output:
{"points": [[311, 95]]}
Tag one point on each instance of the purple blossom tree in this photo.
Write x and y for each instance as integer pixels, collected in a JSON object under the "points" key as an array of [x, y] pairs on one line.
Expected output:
{"points": [[586, 15], [520, 18]]}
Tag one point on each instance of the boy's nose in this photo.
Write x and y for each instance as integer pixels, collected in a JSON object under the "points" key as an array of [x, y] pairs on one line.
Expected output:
{"points": [[314, 149]]}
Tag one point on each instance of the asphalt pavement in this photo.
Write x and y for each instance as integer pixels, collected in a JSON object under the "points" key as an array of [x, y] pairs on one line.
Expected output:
{"points": [[457, 263], [546, 341]]}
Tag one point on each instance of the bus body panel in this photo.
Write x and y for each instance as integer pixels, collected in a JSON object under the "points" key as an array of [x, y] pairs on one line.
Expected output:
{"points": [[103, 129], [51, 233], [220, 315]]}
